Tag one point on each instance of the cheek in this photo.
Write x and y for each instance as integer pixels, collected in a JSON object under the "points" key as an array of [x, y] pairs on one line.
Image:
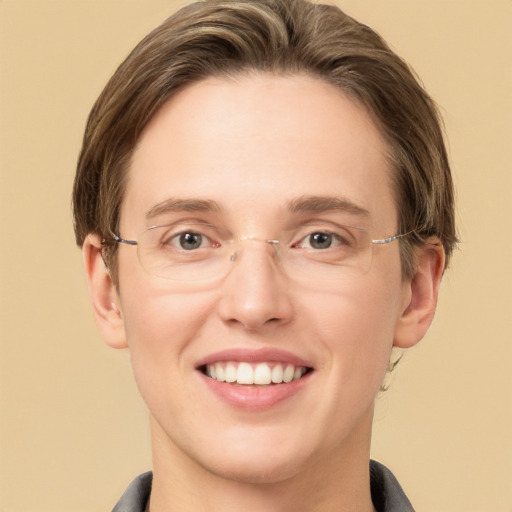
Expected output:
{"points": [[160, 325], [355, 329], [157, 315], [163, 320], [161, 330]]}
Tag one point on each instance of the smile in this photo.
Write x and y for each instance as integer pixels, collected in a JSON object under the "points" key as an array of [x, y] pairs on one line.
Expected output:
{"points": [[260, 374], [255, 380]]}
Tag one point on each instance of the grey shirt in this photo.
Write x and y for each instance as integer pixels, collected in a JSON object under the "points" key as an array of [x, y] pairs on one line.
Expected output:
{"points": [[387, 495]]}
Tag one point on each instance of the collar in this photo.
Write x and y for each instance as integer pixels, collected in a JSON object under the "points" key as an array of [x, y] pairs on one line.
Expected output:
{"points": [[387, 495]]}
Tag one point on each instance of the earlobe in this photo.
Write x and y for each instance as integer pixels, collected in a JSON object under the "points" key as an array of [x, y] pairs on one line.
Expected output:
{"points": [[422, 291], [103, 294]]}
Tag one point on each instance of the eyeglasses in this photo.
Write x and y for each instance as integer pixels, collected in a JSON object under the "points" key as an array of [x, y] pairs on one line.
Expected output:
{"points": [[198, 251]]}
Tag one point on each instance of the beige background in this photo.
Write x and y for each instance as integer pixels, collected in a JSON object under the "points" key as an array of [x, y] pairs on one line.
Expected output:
{"points": [[73, 431]]}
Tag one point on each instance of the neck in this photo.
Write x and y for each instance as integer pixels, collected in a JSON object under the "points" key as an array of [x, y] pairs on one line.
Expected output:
{"points": [[339, 480]]}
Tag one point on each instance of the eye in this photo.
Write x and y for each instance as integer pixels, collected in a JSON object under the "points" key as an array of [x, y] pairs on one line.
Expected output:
{"points": [[189, 241], [321, 240]]}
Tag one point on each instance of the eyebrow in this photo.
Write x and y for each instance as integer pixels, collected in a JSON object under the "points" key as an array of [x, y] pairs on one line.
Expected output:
{"points": [[303, 204], [183, 205], [319, 204]]}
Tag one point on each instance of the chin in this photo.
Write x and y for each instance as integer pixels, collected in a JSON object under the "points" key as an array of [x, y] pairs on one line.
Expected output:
{"points": [[261, 456], [257, 471]]}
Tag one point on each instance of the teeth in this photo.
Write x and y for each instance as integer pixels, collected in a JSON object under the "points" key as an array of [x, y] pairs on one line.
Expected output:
{"points": [[277, 374], [260, 374], [220, 373], [245, 374], [230, 373], [289, 373]]}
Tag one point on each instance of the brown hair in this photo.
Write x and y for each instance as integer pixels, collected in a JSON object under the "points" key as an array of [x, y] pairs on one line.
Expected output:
{"points": [[226, 37]]}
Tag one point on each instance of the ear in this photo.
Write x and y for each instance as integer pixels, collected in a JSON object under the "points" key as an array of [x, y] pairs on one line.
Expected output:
{"points": [[102, 292], [421, 294]]}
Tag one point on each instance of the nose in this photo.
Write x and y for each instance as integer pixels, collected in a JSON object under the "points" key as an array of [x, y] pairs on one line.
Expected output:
{"points": [[256, 292]]}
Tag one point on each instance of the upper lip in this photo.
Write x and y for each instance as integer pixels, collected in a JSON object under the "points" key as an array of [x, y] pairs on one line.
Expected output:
{"points": [[261, 355]]}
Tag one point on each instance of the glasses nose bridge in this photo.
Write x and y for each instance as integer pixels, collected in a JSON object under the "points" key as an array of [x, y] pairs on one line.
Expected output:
{"points": [[237, 248]]}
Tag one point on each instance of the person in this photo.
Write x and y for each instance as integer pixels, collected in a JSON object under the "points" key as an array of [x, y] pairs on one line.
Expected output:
{"points": [[265, 208]]}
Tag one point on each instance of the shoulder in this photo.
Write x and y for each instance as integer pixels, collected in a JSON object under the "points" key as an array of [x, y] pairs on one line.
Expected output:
{"points": [[136, 496], [387, 494]]}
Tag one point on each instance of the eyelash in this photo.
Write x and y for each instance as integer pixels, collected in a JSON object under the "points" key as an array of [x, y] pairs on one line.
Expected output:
{"points": [[335, 238]]}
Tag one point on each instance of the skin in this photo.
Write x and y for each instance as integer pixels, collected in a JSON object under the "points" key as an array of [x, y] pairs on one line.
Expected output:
{"points": [[252, 144]]}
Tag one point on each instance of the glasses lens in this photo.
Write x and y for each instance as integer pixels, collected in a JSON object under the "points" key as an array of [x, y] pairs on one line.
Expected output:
{"points": [[183, 252], [337, 253]]}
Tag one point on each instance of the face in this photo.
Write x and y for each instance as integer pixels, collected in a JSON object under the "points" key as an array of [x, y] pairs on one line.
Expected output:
{"points": [[246, 155]]}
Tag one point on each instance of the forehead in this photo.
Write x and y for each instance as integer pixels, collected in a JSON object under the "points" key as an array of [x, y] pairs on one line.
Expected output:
{"points": [[256, 143]]}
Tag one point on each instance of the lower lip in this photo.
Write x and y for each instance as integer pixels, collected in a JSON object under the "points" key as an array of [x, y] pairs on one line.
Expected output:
{"points": [[255, 398]]}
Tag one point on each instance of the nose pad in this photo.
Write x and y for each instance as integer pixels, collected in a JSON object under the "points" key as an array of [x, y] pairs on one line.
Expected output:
{"points": [[255, 292]]}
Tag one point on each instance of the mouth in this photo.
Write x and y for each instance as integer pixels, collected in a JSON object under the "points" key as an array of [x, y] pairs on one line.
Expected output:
{"points": [[248, 373], [254, 380]]}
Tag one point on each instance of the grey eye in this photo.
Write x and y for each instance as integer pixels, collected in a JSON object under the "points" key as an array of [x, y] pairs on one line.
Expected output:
{"points": [[320, 240], [190, 241]]}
